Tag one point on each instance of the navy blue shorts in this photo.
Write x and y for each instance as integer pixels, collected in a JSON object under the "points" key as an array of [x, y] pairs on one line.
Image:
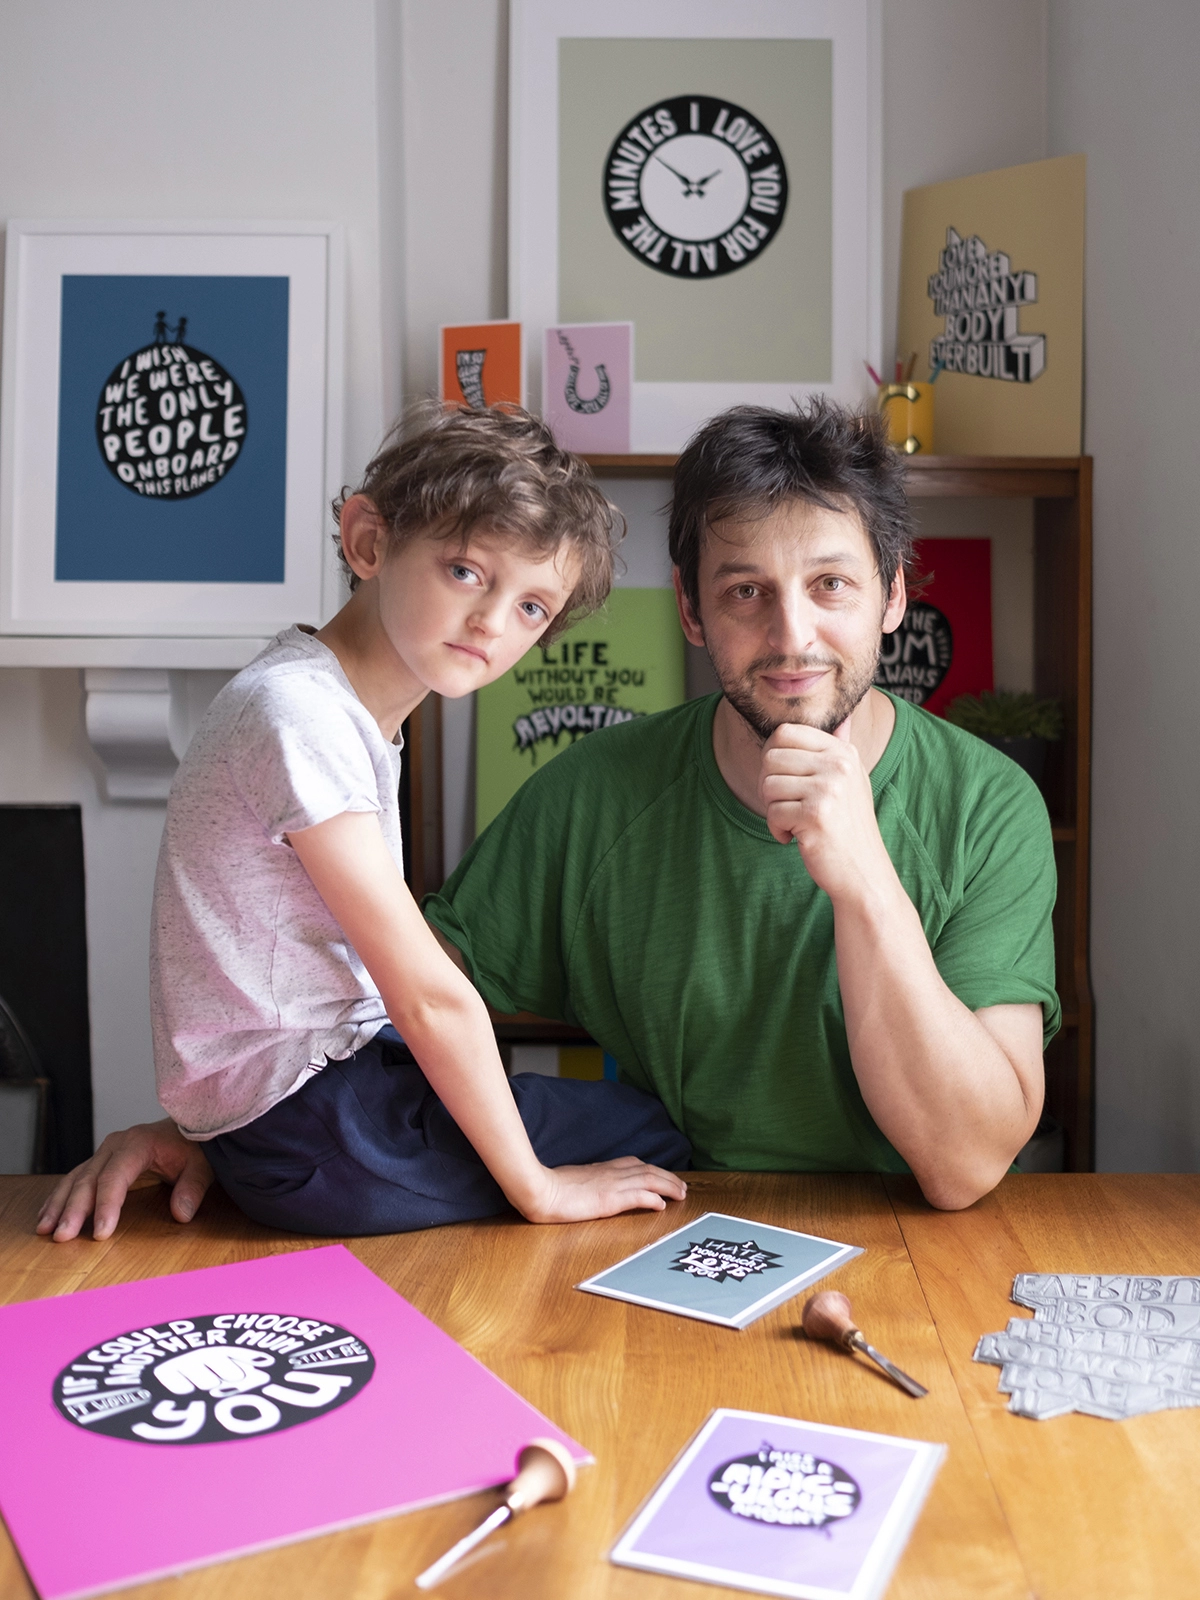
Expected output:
{"points": [[367, 1147]]}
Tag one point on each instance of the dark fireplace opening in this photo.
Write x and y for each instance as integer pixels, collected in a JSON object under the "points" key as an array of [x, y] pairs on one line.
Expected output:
{"points": [[43, 966]]}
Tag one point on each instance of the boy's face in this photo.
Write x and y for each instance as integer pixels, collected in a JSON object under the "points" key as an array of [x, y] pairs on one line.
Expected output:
{"points": [[459, 615]]}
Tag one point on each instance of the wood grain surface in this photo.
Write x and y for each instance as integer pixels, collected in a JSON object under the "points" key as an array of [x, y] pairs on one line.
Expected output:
{"points": [[1097, 1508], [1073, 1507]]}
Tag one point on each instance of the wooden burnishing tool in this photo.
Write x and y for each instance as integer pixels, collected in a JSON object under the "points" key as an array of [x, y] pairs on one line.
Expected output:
{"points": [[828, 1316], [545, 1471]]}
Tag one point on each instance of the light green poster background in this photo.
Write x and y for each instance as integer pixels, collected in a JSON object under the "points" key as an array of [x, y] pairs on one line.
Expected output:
{"points": [[626, 660], [768, 322]]}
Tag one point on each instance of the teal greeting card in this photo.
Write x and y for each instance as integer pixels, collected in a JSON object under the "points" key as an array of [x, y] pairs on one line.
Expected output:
{"points": [[722, 1269]]}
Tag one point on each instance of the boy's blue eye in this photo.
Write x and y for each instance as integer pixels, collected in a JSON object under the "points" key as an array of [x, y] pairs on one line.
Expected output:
{"points": [[532, 609], [459, 571]]}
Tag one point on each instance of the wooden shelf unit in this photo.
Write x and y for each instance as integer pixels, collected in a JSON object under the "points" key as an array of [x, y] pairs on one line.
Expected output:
{"points": [[1061, 491]]}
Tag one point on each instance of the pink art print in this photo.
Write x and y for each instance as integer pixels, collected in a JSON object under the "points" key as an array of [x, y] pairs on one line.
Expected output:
{"points": [[182, 1420], [587, 379]]}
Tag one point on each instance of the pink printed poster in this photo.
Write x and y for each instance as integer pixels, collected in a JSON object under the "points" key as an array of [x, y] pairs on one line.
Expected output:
{"points": [[179, 1421], [587, 380]]}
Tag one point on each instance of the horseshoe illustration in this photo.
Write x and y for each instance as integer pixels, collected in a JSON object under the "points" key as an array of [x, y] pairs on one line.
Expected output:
{"points": [[587, 407]]}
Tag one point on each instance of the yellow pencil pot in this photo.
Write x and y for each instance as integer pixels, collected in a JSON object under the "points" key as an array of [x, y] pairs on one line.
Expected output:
{"points": [[908, 408]]}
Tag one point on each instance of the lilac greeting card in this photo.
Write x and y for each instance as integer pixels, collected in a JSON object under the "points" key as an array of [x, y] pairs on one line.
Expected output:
{"points": [[587, 382], [199, 1416], [784, 1507]]}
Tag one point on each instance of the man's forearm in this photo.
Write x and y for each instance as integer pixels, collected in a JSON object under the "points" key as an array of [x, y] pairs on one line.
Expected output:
{"points": [[936, 1081]]}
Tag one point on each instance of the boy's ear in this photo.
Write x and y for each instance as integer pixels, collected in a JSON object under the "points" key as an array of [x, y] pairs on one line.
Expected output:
{"points": [[688, 620], [364, 537]]}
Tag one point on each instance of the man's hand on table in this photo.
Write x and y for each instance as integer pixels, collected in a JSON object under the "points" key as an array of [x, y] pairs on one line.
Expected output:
{"points": [[99, 1186]]}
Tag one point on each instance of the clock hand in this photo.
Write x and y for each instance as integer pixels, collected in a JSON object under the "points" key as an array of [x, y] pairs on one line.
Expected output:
{"points": [[698, 185], [686, 182]]}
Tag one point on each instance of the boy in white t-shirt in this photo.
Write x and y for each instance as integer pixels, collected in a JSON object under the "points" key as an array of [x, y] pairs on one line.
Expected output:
{"points": [[340, 1069]]}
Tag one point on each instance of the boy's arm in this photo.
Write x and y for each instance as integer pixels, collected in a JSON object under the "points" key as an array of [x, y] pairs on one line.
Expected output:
{"points": [[151, 1149], [445, 1024]]}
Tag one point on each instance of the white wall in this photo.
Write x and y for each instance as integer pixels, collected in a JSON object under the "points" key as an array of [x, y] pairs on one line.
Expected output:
{"points": [[1123, 89], [137, 108]]}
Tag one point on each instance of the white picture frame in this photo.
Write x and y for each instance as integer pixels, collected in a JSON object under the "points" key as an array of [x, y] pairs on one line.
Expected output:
{"points": [[63, 574], [666, 412]]}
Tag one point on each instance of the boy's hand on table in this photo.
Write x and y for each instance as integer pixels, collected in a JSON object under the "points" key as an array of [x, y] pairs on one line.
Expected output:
{"points": [[577, 1194], [99, 1186]]}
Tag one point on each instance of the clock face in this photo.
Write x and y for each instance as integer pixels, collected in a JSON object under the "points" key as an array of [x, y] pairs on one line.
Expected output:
{"points": [[695, 187]]}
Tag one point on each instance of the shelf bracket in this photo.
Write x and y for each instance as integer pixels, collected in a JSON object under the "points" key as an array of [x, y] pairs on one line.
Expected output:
{"points": [[129, 723]]}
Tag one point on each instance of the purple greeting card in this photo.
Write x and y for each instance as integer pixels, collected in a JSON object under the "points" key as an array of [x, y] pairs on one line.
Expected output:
{"points": [[587, 381], [784, 1507], [186, 1419]]}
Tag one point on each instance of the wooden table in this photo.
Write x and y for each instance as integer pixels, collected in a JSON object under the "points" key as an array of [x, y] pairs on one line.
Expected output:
{"points": [[1071, 1507]]}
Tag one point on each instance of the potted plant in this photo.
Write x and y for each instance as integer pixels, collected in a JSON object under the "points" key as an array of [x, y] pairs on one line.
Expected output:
{"points": [[1019, 724]]}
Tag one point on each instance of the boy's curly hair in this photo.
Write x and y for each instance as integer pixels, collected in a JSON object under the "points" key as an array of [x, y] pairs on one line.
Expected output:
{"points": [[445, 472]]}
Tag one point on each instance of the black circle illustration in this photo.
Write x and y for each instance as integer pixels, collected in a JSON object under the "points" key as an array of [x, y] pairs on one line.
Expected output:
{"points": [[170, 421], [914, 660], [785, 1489], [695, 187], [199, 1380]]}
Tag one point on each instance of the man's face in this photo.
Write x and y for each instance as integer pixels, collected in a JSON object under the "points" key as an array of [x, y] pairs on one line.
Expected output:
{"points": [[792, 611]]}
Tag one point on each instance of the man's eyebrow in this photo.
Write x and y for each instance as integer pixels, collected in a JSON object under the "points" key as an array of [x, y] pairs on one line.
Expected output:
{"points": [[833, 558]]}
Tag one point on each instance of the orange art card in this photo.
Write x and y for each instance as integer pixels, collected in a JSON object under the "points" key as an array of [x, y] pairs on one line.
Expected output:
{"points": [[479, 364]]}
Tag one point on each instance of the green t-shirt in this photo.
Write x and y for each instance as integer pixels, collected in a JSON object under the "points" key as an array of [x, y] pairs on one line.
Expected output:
{"points": [[624, 888]]}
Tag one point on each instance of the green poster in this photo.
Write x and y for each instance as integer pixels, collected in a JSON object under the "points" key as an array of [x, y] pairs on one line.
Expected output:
{"points": [[625, 661]]}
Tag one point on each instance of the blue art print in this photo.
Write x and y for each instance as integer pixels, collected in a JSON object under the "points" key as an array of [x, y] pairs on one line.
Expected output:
{"points": [[172, 429]]}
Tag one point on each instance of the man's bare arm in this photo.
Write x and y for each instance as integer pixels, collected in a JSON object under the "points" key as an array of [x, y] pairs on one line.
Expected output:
{"points": [[956, 1092]]}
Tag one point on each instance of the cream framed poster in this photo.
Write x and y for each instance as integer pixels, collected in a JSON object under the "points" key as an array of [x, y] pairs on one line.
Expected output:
{"points": [[171, 426], [710, 173]]}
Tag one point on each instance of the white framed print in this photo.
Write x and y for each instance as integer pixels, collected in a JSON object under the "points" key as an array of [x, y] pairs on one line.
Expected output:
{"points": [[170, 426], [710, 172]]}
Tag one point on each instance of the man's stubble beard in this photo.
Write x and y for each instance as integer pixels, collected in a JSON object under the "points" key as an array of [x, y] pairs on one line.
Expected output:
{"points": [[851, 685]]}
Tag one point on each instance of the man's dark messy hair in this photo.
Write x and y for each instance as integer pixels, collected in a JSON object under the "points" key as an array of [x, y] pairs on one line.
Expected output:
{"points": [[747, 462], [446, 473]]}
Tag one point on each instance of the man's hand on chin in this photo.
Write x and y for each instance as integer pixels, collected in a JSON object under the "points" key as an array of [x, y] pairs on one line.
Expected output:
{"points": [[99, 1186], [817, 791]]}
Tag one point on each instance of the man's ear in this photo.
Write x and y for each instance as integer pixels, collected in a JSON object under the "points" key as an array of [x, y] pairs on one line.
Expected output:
{"points": [[897, 603], [364, 537], [688, 620]]}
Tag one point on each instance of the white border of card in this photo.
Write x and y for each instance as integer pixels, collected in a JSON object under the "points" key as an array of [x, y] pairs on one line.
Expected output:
{"points": [[838, 1255], [879, 1559]]}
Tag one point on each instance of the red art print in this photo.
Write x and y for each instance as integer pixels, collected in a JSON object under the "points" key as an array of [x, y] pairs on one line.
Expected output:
{"points": [[943, 648]]}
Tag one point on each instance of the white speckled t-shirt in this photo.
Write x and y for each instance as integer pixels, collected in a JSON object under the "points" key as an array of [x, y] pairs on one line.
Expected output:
{"points": [[252, 981]]}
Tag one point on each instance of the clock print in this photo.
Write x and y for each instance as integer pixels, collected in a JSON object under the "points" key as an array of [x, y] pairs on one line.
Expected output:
{"points": [[695, 187]]}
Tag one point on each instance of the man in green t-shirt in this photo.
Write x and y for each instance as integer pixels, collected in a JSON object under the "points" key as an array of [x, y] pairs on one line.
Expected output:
{"points": [[810, 917]]}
